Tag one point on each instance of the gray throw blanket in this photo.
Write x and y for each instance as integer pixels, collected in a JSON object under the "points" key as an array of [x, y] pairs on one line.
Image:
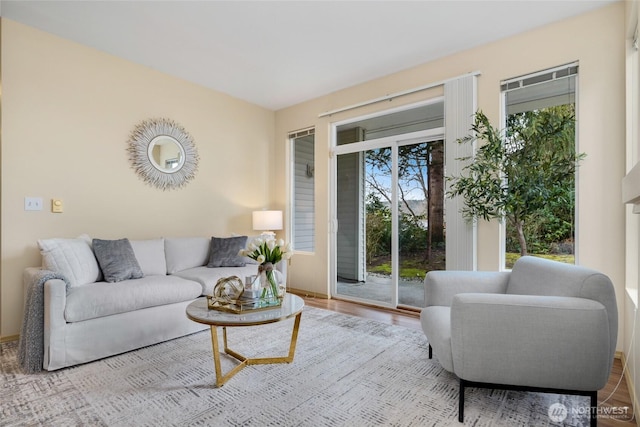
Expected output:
{"points": [[31, 345]]}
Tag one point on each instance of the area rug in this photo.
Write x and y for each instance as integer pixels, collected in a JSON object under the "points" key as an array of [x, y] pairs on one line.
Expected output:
{"points": [[347, 371]]}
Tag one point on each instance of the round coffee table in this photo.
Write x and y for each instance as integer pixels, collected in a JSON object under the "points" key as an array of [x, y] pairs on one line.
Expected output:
{"points": [[198, 311]]}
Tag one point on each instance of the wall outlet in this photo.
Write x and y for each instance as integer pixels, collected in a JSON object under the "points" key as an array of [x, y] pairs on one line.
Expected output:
{"points": [[33, 203]]}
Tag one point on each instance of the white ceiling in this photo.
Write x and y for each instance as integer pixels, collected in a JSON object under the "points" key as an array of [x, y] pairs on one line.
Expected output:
{"points": [[279, 53]]}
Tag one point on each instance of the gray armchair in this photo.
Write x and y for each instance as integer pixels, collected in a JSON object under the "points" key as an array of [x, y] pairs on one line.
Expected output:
{"points": [[544, 326]]}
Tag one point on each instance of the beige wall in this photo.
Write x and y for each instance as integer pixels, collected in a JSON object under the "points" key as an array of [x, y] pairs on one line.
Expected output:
{"points": [[67, 111], [596, 40]]}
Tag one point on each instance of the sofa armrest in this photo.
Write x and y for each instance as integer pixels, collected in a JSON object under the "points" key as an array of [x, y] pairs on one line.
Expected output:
{"points": [[55, 291], [55, 301], [441, 286], [535, 341]]}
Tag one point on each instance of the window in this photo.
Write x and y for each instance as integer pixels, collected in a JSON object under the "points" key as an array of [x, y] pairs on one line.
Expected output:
{"points": [[540, 129], [303, 193]]}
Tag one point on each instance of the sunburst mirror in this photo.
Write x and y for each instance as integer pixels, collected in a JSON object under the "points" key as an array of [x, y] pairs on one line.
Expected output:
{"points": [[163, 154]]}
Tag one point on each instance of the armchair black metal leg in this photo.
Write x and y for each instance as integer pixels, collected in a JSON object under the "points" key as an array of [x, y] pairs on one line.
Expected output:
{"points": [[430, 352], [594, 408], [461, 401]]}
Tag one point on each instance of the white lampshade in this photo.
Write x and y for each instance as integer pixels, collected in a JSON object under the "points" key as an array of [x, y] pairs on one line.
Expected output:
{"points": [[267, 220]]}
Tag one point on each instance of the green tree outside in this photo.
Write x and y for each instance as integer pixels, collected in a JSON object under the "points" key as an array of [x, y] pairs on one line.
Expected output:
{"points": [[525, 175]]}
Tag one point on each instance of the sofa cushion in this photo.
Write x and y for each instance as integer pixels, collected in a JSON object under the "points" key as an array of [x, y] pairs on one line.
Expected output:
{"points": [[117, 260], [73, 258], [101, 299], [183, 253], [150, 256], [207, 277], [224, 251]]}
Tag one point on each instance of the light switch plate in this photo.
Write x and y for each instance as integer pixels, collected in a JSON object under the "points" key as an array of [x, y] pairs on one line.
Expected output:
{"points": [[33, 203], [57, 206]]}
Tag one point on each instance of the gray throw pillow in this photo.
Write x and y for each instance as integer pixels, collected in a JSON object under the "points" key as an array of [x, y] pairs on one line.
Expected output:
{"points": [[117, 260], [224, 252]]}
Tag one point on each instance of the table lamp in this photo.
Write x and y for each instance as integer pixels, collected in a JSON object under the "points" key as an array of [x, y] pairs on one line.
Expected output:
{"points": [[267, 221]]}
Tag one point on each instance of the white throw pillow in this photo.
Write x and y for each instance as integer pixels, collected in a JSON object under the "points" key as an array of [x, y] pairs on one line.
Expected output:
{"points": [[186, 252], [73, 258], [150, 256]]}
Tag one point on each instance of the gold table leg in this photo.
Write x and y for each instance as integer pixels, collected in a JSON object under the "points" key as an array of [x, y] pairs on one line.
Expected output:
{"points": [[244, 361]]}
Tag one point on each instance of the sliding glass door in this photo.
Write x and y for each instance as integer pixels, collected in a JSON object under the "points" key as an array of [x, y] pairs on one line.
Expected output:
{"points": [[389, 198]]}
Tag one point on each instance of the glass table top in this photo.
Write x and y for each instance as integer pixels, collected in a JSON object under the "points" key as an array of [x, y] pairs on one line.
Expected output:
{"points": [[199, 312]]}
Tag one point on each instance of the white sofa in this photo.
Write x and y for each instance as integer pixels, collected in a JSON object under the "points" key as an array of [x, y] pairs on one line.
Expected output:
{"points": [[89, 321]]}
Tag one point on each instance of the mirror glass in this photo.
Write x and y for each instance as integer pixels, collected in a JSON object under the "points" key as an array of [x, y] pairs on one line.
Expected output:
{"points": [[166, 154]]}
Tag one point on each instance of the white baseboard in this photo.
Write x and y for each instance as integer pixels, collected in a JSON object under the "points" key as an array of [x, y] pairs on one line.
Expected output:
{"points": [[630, 385], [307, 294]]}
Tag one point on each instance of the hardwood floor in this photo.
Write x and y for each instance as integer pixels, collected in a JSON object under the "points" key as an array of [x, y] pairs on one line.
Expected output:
{"points": [[411, 319]]}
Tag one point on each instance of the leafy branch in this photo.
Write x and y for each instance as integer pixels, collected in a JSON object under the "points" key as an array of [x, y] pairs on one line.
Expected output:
{"points": [[517, 173]]}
